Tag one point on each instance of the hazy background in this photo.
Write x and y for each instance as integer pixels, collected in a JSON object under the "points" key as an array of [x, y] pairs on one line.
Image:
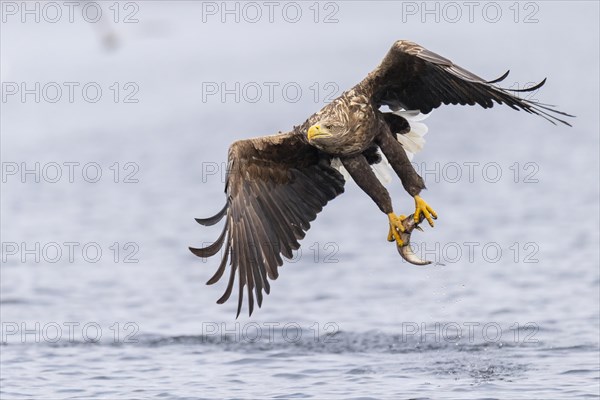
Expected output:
{"points": [[370, 325]]}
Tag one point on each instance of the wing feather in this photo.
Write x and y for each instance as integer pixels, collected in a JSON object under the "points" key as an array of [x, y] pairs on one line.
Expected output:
{"points": [[213, 249], [414, 78], [222, 266], [276, 185], [214, 219]]}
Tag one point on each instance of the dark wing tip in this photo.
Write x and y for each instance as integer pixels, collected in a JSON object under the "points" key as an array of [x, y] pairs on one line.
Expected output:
{"points": [[250, 306], [224, 298], [500, 79], [206, 252], [532, 88], [240, 302], [527, 89], [215, 218], [199, 252], [212, 249], [219, 273]]}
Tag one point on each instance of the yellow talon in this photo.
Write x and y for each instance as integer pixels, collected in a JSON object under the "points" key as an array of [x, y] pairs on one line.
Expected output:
{"points": [[422, 207], [396, 228]]}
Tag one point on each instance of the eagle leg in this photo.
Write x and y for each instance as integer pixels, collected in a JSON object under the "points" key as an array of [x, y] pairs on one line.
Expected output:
{"points": [[421, 207], [396, 228]]}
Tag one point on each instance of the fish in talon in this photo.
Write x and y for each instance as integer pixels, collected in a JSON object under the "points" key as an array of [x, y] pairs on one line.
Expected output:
{"points": [[405, 249]]}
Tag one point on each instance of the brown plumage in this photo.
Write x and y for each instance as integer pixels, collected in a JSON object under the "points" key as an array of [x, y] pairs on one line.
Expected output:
{"points": [[276, 185]]}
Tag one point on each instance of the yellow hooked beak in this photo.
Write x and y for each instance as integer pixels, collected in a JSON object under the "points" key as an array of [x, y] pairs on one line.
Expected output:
{"points": [[316, 131]]}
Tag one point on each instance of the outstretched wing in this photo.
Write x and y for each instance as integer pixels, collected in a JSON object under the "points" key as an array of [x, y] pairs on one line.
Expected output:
{"points": [[414, 78], [275, 186]]}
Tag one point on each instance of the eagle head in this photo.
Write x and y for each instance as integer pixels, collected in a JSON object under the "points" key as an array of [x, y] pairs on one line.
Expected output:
{"points": [[325, 133]]}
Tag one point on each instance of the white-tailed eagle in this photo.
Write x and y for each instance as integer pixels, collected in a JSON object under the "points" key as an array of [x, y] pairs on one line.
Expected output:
{"points": [[276, 185]]}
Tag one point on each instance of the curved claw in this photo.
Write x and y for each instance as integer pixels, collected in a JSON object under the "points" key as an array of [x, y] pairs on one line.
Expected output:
{"points": [[425, 210], [404, 249], [396, 228]]}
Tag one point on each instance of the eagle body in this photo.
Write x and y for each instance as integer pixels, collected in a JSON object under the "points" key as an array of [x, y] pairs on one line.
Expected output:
{"points": [[355, 111], [276, 185]]}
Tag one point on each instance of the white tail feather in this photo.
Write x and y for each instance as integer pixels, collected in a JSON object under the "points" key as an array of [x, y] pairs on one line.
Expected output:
{"points": [[414, 140]]}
